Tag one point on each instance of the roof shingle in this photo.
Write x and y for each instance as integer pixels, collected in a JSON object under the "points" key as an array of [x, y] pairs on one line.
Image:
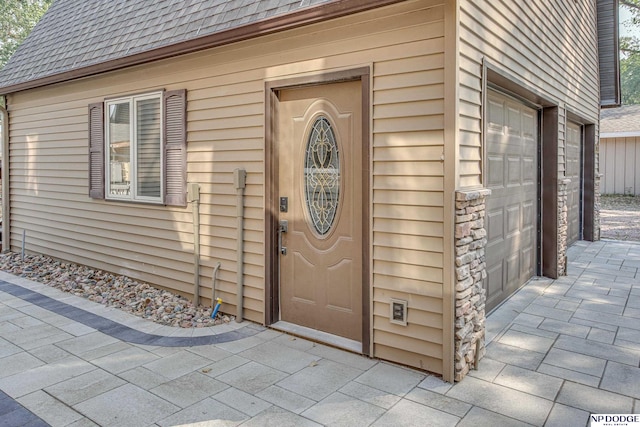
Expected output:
{"points": [[621, 119], [80, 33]]}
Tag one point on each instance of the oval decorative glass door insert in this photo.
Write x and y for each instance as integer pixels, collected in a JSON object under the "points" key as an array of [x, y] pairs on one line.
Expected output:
{"points": [[322, 175]]}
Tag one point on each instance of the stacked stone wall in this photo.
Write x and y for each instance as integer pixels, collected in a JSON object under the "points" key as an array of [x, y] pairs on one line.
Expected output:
{"points": [[470, 241], [563, 225]]}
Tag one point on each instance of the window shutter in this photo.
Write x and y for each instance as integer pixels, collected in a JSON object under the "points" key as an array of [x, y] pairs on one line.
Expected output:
{"points": [[609, 53], [96, 150], [175, 147], [148, 149]]}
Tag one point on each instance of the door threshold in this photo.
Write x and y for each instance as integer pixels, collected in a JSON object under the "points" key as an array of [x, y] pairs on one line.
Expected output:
{"points": [[316, 335]]}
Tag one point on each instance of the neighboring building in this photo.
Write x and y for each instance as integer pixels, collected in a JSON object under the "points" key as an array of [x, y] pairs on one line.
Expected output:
{"points": [[399, 143], [620, 150]]}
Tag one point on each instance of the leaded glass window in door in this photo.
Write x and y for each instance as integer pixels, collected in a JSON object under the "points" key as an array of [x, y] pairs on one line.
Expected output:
{"points": [[322, 175]]}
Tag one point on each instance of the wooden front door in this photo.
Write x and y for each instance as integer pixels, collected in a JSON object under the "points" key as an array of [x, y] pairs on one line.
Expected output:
{"points": [[319, 146]]}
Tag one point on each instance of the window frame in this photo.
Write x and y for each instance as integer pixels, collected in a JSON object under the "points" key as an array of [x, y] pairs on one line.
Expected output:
{"points": [[133, 156], [174, 134]]}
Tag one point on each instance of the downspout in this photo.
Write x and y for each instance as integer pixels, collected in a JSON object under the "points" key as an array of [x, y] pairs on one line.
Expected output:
{"points": [[194, 198], [239, 181], [214, 278], [215, 302], [5, 178]]}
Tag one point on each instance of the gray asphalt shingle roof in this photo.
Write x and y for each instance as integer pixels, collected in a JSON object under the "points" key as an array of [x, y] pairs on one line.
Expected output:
{"points": [[621, 119], [80, 33]]}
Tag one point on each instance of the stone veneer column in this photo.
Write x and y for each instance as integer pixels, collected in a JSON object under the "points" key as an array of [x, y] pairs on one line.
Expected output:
{"points": [[596, 207], [563, 224], [470, 242]]}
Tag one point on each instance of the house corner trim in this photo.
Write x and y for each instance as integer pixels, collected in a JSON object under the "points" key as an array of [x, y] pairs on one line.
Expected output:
{"points": [[4, 177]]}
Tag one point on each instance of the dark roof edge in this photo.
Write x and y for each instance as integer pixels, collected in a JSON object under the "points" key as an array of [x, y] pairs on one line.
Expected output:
{"points": [[276, 24]]}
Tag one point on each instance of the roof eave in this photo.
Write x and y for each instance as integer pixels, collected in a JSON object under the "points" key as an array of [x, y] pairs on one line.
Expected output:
{"points": [[620, 134], [276, 24]]}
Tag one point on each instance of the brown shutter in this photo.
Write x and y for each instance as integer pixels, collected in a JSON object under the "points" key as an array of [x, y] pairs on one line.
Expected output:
{"points": [[96, 151], [175, 147], [609, 53]]}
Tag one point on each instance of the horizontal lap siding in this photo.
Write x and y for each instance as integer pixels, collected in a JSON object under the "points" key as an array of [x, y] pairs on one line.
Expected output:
{"points": [[152, 243], [550, 47], [49, 200], [225, 88], [620, 165], [408, 179], [562, 142]]}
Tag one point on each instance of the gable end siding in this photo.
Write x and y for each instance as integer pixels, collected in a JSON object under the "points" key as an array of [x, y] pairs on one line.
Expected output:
{"points": [[550, 47]]}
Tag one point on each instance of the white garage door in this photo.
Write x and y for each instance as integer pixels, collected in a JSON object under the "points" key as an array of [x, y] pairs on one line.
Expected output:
{"points": [[573, 171], [511, 220]]}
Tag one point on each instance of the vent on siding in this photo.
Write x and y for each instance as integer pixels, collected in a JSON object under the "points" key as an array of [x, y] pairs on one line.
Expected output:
{"points": [[398, 312]]}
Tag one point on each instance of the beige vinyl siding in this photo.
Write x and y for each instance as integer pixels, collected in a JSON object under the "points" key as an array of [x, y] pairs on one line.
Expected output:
{"points": [[403, 44], [550, 47], [562, 129], [620, 165], [408, 200]]}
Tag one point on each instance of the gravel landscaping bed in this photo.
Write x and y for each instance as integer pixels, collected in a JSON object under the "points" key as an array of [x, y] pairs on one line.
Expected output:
{"points": [[620, 217], [620, 220], [138, 298]]}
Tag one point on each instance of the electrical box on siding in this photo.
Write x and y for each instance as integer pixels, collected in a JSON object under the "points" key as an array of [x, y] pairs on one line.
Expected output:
{"points": [[193, 192]]}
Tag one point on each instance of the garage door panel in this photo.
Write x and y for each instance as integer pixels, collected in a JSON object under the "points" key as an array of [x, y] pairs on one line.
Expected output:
{"points": [[527, 261], [514, 125], [573, 171], [495, 281], [494, 222], [496, 117], [514, 175], [528, 215], [496, 176], [512, 206], [529, 173], [529, 127], [513, 268], [513, 220]]}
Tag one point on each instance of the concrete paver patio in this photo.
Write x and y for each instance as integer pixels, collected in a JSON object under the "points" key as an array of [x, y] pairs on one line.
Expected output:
{"points": [[558, 350]]}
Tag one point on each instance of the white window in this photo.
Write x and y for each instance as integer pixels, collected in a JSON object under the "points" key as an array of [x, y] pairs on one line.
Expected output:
{"points": [[134, 148], [138, 148]]}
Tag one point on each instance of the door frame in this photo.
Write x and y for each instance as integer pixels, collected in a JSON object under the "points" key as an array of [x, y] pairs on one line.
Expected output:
{"points": [[542, 116], [588, 164], [272, 273], [497, 78], [581, 183]]}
